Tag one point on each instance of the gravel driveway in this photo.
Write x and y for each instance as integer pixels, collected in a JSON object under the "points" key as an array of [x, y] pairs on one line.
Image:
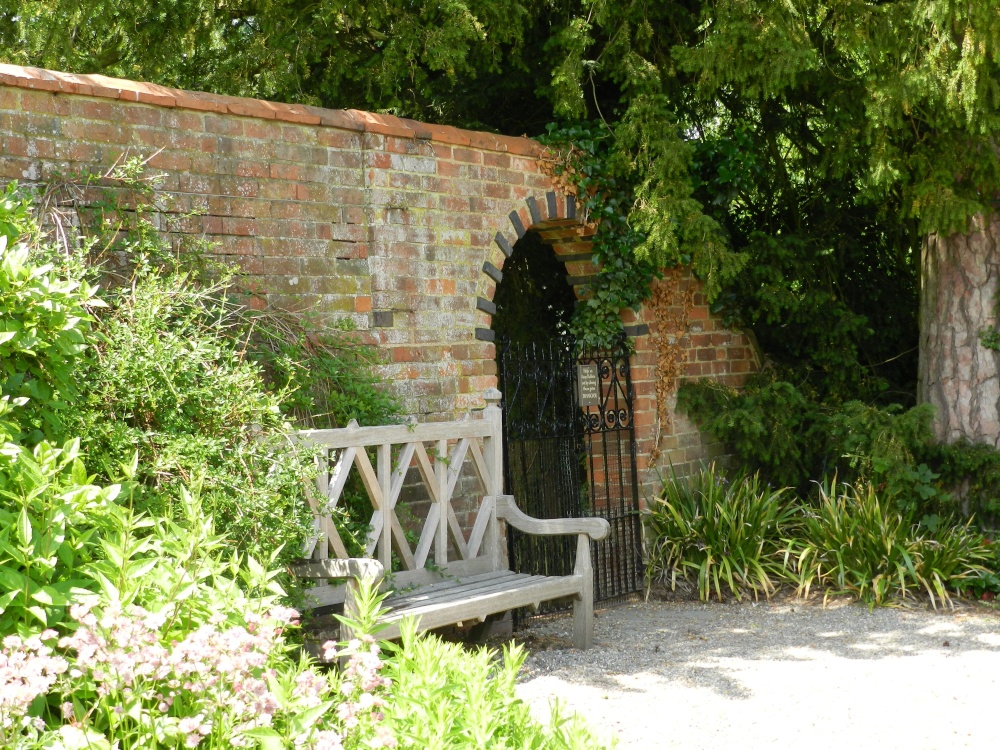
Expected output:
{"points": [[792, 674]]}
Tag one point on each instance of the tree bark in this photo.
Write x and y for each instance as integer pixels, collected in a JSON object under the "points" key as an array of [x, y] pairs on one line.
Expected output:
{"points": [[958, 300]]}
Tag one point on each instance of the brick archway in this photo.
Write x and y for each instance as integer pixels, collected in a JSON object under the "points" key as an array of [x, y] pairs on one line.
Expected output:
{"points": [[554, 217]]}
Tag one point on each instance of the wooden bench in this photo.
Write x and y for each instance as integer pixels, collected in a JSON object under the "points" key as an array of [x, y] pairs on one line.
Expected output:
{"points": [[456, 573]]}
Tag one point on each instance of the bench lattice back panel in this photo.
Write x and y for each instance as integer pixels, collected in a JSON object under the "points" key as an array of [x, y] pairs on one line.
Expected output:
{"points": [[438, 451]]}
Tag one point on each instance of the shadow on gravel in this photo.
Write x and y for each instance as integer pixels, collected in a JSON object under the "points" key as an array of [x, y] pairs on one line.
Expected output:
{"points": [[701, 644]]}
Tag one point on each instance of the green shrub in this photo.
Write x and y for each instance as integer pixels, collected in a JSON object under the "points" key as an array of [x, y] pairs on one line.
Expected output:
{"points": [[446, 698], [44, 334], [326, 378], [768, 424], [172, 381], [174, 370], [15, 214], [882, 445], [854, 543], [185, 645], [971, 474], [776, 429], [52, 521], [725, 532], [953, 558]]}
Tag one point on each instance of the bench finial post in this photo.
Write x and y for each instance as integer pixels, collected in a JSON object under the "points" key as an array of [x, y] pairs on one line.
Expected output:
{"points": [[493, 449]]}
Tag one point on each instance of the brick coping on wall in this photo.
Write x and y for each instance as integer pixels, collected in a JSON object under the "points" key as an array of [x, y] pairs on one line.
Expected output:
{"points": [[345, 119]]}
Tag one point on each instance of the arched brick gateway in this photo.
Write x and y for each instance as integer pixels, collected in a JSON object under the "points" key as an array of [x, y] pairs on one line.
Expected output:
{"points": [[400, 226]]}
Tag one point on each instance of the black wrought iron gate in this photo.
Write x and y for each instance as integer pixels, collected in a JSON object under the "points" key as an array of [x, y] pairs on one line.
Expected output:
{"points": [[570, 451]]}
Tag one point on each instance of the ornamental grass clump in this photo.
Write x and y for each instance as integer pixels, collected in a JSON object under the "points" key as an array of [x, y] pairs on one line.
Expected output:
{"points": [[854, 542], [727, 533]]}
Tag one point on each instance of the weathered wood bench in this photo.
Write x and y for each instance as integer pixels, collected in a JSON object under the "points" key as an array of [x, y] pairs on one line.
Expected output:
{"points": [[457, 573]]}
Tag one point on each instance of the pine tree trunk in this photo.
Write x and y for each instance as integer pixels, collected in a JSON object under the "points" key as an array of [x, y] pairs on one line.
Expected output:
{"points": [[958, 300]]}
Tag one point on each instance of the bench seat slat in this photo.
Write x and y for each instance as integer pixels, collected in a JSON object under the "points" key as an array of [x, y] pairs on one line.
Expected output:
{"points": [[460, 589], [403, 595], [327, 596], [525, 590], [478, 606]]}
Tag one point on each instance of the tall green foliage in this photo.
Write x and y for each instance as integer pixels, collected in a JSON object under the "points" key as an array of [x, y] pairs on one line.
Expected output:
{"points": [[45, 323], [912, 85], [172, 382], [325, 377], [725, 532], [855, 542], [442, 61], [52, 520], [449, 699], [849, 539]]}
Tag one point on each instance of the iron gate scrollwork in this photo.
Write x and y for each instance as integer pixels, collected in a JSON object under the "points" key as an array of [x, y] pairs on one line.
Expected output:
{"points": [[564, 458]]}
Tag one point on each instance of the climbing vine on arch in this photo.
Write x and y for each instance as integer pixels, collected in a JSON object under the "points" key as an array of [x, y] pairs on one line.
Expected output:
{"points": [[633, 191]]}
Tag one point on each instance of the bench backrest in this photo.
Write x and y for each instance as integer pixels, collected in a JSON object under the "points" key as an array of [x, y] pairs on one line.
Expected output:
{"points": [[438, 450]]}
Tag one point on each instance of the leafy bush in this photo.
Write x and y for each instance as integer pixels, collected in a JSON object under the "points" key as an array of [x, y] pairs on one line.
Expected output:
{"points": [[326, 379], [768, 425], [792, 440], [177, 655], [446, 698], [744, 535], [774, 428], [44, 335], [971, 474], [726, 532], [174, 370], [853, 542], [176, 673], [15, 214], [172, 381], [52, 518], [824, 305], [883, 446]]}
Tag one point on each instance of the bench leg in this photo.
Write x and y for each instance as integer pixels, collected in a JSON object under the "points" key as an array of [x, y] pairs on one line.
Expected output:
{"points": [[499, 625], [350, 610], [583, 605]]}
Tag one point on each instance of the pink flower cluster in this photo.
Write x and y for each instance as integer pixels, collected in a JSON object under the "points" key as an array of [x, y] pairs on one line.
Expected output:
{"points": [[218, 682], [360, 686], [27, 669], [210, 672]]}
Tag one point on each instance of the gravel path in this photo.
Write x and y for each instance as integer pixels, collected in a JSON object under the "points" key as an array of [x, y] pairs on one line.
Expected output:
{"points": [[747, 676]]}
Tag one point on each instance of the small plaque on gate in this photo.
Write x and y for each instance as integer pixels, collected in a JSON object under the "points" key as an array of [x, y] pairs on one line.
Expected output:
{"points": [[588, 385]]}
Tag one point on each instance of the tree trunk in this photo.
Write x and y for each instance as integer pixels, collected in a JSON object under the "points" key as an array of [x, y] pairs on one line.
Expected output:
{"points": [[958, 300]]}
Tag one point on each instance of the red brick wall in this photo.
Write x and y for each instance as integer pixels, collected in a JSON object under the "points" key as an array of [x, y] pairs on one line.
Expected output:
{"points": [[400, 226]]}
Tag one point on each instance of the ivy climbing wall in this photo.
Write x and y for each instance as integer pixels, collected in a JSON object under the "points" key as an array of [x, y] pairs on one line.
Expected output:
{"points": [[399, 226], [683, 341]]}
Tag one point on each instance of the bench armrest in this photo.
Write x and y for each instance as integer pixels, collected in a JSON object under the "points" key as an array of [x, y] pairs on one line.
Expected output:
{"points": [[595, 528], [351, 567]]}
